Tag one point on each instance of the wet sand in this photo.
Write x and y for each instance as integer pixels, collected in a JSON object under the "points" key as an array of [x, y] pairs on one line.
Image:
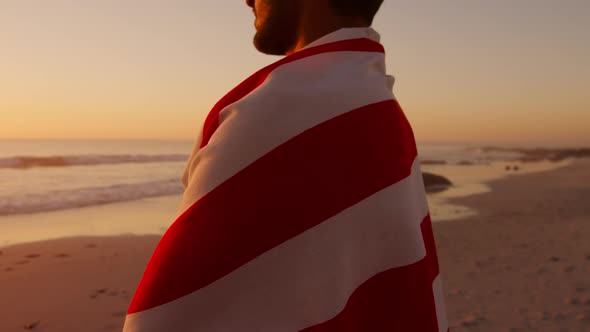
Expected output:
{"points": [[521, 264], [148, 216]]}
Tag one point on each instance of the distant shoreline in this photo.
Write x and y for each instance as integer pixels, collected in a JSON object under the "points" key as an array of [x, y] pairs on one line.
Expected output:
{"points": [[540, 154]]}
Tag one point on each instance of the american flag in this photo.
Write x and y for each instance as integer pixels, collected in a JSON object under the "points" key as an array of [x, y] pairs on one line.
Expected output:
{"points": [[304, 208]]}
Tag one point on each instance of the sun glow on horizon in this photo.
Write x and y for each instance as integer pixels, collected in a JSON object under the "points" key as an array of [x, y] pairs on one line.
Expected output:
{"points": [[474, 72]]}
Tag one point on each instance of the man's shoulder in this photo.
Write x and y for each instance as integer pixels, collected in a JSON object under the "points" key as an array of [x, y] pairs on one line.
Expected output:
{"points": [[328, 75]]}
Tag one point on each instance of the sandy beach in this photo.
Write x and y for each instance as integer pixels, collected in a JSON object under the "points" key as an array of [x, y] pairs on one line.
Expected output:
{"points": [[75, 284], [521, 264]]}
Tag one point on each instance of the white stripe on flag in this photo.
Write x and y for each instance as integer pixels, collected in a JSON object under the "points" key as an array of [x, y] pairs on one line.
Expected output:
{"points": [[439, 302]]}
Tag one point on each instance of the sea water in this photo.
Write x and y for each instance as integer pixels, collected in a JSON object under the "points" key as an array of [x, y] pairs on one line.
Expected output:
{"points": [[38, 176], [53, 188]]}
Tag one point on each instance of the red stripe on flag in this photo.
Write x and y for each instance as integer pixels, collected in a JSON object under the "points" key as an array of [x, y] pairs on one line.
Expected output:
{"points": [[400, 299], [243, 89], [293, 188]]}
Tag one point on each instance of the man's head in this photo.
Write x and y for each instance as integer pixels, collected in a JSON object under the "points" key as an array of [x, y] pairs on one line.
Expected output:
{"points": [[282, 24]]}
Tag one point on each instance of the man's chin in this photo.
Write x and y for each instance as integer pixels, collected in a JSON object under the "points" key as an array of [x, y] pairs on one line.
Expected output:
{"points": [[269, 46]]}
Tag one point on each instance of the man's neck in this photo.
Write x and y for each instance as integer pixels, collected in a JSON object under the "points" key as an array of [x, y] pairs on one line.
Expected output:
{"points": [[315, 27]]}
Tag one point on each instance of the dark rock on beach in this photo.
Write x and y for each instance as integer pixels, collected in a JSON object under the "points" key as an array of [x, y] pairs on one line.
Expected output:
{"points": [[435, 183], [540, 154]]}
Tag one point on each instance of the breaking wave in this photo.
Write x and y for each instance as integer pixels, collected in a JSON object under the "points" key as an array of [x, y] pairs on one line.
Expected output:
{"points": [[23, 162]]}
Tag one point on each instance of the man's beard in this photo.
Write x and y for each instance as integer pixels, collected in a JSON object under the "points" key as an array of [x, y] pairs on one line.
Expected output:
{"points": [[278, 33]]}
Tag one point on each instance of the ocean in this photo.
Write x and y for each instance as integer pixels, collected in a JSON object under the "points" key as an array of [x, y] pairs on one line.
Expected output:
{"points": [[38, 176], [41, 177]]}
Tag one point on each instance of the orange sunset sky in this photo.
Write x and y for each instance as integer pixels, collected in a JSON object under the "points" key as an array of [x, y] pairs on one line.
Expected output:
{"points": [[466, 70]]}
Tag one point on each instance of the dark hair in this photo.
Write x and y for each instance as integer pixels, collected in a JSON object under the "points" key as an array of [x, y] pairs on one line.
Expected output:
{"points": [[366, 9]]}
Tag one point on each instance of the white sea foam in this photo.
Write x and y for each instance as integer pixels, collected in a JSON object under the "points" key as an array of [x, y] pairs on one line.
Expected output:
{"points": [[66, 199]]}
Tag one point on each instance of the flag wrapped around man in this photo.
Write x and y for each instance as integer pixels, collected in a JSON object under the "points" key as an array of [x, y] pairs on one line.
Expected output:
{"points": [[304, 208]]}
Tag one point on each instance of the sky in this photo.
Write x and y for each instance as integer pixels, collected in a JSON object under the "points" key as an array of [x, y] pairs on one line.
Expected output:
{"points": [[476, 71]]}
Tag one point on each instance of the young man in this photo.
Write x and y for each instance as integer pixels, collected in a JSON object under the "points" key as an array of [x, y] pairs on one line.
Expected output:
{"points": [[304, 207]]}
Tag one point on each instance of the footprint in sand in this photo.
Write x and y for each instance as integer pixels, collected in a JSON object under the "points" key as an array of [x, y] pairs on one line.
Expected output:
{"points": [[98, 292], [31, 326], [112, 327], [91, 245], [61, 255], [23, 262], [33, 256], [8, 269]]}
